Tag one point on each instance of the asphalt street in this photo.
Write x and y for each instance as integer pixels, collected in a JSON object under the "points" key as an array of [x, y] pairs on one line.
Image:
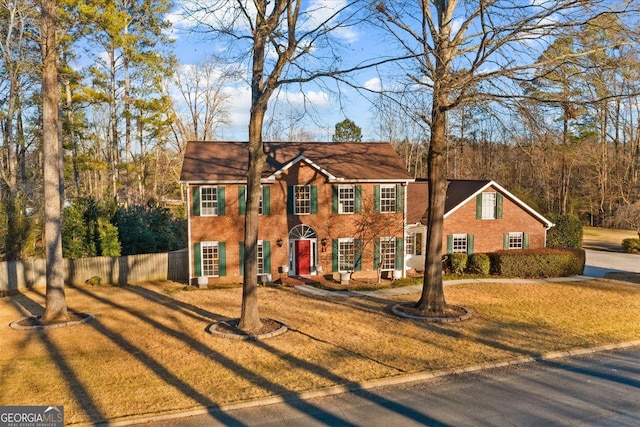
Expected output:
{"points": [[601, 389]]}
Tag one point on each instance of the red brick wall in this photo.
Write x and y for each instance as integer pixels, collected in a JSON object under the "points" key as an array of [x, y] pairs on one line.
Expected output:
{"points": [[488, 233], [229, 228]]}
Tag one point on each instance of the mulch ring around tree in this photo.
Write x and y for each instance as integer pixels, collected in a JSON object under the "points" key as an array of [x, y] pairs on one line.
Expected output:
{"points": [[452, 313], [229, 329], [35, 322]]}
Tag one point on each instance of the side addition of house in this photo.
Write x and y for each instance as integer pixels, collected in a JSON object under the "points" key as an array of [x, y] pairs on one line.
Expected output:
{"points": [[326, 208], [480, 217]]}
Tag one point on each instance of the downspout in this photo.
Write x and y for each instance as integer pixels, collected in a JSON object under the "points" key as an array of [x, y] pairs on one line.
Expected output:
{"points": [[545, 233], [189, 243], [404, 228]]}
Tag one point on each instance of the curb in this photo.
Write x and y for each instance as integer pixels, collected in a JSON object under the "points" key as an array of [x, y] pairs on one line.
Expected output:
{"points": [[372, 384]]}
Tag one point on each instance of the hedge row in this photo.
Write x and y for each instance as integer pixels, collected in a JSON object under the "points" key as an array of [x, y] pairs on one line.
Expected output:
{"points": [[527, 263]]}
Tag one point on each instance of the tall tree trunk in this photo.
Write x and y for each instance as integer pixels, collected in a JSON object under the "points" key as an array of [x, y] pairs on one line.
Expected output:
{"points": [[250, 317], [56, 305], [432, 298], [113, 123]]}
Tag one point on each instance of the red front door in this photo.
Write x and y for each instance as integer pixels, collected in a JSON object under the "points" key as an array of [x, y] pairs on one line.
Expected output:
{"points": [[303, 257]]}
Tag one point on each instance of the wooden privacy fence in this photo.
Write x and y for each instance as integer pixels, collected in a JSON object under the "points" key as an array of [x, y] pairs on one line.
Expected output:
{"points": [[15, 275]]}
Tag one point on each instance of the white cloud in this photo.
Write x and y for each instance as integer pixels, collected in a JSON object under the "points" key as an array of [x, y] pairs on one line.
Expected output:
{"points": [[373, 84], [327, 12]]}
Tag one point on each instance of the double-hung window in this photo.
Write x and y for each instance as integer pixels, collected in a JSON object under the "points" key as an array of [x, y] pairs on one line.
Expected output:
{"points": [[346, 254], [459, 243], [209, 201], [388, 253], [516, 240], [302, 199], [210, 256], [346, 199], [413, 244], [409, 243], [387, 198], [489, 205], [260, 254]]}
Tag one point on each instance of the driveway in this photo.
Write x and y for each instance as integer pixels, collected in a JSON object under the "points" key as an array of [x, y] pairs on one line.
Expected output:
{"points": [[599, 263]]}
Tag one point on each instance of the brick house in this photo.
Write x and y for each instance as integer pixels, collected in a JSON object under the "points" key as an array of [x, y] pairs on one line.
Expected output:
{"points": [[480, 217], [326, 208]]}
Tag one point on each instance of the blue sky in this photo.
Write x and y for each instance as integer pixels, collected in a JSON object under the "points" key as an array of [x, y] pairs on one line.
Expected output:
{"points": [[360, 42], [325, 108]]}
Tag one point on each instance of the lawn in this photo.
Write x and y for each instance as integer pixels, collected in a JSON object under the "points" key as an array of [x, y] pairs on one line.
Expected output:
{"points": [[606, 238], [147, 352]]}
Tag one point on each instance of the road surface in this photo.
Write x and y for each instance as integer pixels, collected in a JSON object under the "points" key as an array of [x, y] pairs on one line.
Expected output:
{"points": [[601, 389]]}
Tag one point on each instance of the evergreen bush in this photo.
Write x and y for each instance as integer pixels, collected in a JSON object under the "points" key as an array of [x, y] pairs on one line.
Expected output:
{"points": [[631, 246], [558, 262], [458, 262], [479, 264], [566, 233]]}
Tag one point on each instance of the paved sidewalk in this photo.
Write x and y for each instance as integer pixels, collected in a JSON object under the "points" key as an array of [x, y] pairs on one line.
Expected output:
{"points": [[310, 290]]}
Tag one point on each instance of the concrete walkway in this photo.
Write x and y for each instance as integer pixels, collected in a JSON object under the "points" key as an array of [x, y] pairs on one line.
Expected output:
{"points": [[598, 264], [310, 290]]}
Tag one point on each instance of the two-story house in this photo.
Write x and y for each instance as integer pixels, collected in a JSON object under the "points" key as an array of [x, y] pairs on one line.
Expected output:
{"points": [[326, 208]]}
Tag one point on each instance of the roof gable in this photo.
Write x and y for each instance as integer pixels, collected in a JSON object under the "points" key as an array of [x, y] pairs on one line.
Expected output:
{"points": [[227, 162], [459, 192]]}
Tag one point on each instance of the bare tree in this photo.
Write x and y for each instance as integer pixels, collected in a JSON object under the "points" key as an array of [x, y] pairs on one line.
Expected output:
{"points": [[56, 305], [284, 43], [464, 50], [628, 216], [202, 103]]}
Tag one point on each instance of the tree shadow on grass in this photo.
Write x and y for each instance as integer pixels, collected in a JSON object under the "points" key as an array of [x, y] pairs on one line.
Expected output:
{"points": [[288, 396], [382, 306], [194, 345], [79, 391]]}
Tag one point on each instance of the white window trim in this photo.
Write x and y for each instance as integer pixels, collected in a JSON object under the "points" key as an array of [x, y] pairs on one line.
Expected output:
{"points": [[340, 199], [494, 208], [260, 257], [415, 245], [392, 205], [410, 244], [352, 241], [213, 244], [516, 234], [295, 200], [204, 210], [391, 241], [466, 243]]}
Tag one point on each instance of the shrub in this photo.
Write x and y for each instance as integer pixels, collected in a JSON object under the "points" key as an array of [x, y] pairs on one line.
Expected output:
{"points": [[479, 264], [458, 262], [631, 246], [559, 262], [566, 233], [94, 281]]}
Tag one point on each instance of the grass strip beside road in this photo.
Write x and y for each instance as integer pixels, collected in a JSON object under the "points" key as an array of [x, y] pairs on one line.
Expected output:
{"points": [[147, 352]]}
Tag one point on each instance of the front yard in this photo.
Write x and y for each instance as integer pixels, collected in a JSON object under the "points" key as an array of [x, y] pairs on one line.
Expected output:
{"points": [[147, 352]]}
